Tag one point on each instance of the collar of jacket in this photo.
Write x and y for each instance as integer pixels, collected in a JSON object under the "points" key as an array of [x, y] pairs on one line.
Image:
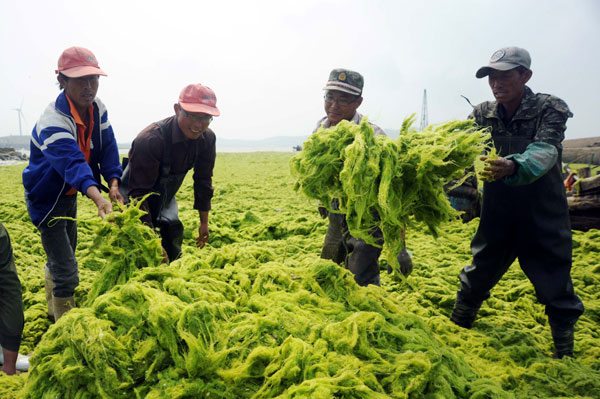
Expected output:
{"points": [[527, 109], [177, 135]]}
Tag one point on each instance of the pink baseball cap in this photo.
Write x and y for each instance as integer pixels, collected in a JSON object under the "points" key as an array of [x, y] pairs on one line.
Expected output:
{"points": [[76, 62], [199, 98]]}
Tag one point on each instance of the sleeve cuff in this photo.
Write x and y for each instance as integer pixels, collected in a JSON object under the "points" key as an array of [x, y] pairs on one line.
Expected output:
{"points": [[87, 184]]}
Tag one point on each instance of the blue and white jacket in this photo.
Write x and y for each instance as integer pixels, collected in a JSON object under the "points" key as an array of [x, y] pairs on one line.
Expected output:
{"points": [[56, 163]]}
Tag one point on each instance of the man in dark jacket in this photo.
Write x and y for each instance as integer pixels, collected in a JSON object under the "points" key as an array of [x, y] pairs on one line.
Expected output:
{"points": [[160, 157], [524, 213], [11, 306]]}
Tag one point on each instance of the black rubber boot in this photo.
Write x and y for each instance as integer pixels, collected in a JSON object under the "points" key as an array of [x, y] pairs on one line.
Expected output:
{"points": [[464, 315], [563, 342]]}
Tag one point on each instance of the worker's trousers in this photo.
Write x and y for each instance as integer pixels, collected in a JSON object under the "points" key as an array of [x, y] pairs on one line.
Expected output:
{"points": [[11, 301], [59, 238], [359, 257], [542, 245], [170, 229]]}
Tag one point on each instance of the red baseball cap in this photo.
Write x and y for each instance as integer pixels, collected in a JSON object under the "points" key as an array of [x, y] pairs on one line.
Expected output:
{"points": [[199, 98], [76, 62]]}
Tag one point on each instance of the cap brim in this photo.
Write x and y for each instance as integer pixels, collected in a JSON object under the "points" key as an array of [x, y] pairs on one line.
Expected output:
{"points": [[81, 71], [498, 66], [342, 89], [200, 108]]}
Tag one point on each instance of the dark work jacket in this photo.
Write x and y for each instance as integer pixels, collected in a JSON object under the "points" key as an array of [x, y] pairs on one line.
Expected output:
{"points": [[146, 161], [538, 210]]}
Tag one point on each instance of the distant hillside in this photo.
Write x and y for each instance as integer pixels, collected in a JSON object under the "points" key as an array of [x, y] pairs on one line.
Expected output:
{"points": [[16, 142], [280, 143]]}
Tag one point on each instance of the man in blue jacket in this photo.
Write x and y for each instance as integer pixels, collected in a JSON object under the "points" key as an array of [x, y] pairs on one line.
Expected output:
{"points": [[72, 146]]}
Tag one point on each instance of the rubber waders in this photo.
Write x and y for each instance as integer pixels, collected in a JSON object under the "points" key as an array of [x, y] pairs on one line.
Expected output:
{"points": [[563, 342], [464, 315], [62, 305]]}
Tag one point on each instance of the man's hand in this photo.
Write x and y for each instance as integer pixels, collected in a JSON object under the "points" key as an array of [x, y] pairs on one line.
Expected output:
{"points": [[114, 193], [497, 168], [203, 235], [104, 206]]}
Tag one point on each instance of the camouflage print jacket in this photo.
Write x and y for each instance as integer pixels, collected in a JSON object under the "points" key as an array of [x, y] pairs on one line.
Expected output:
{"points": [[532, 138]]}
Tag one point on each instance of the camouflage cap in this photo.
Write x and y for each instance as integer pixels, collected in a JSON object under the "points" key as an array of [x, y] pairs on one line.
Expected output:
{"points": [[504, 59], [346, 81]]}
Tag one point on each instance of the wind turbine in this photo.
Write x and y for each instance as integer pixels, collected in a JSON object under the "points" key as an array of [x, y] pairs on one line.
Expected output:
{"points": [[19, 115]]}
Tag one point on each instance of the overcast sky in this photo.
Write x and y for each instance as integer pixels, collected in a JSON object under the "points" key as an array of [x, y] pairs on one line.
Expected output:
{"points": [[267, 61]]}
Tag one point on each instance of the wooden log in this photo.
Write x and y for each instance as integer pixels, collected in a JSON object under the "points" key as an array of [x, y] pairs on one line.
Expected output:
{"points": [[584, 219], [583, 203], [588, 184], [584, 223], [590, 155]]}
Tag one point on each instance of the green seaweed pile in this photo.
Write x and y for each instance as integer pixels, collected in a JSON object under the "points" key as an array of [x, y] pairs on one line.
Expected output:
{"points": [[246, 329], [236, 325], [231, 319], [387, 183], [120, 247]]}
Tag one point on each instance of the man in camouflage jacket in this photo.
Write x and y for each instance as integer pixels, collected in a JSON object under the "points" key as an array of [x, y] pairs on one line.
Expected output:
{"points": [[524, 213]]}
